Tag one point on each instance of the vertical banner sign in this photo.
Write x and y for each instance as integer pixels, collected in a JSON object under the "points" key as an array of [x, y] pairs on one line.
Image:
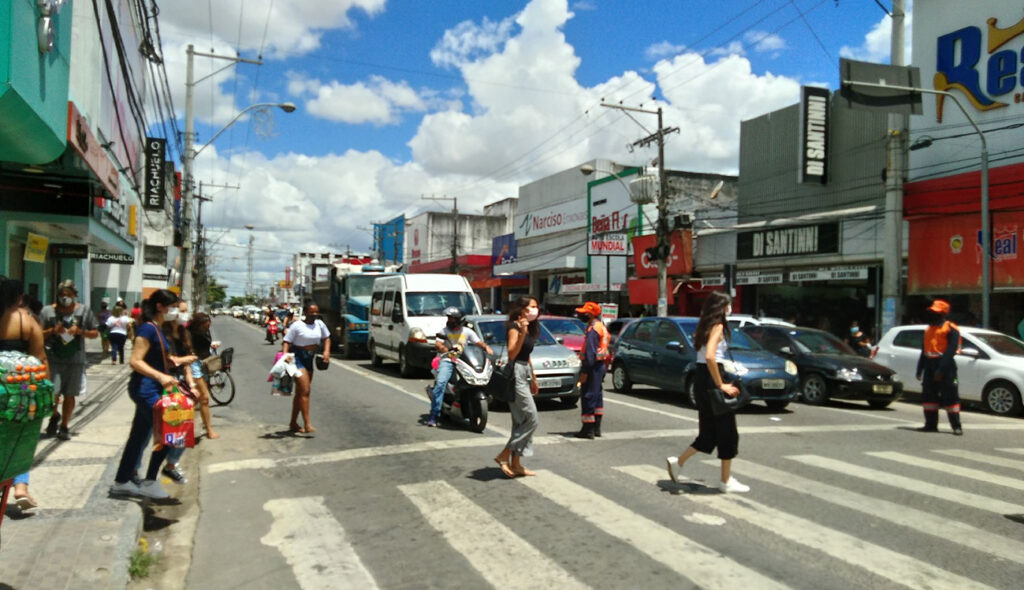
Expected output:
{"points": [[36, 247], [814, 113], [154, 193]]}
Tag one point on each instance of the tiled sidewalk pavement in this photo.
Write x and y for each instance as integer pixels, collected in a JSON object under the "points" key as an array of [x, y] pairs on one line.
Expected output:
{"points": [[78, 537]]}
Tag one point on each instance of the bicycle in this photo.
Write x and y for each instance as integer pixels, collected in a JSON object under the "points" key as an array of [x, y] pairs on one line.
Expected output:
{"points": [[222, 384]]}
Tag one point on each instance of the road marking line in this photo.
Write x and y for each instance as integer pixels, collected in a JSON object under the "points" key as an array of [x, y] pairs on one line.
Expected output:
{"points": [[651, 410], [315, 545], [703, 566], [1014, 451], [422, 398], [983, 458], [968, 499], [472, 532], [950, 469], [885, 563], [939, 526]]}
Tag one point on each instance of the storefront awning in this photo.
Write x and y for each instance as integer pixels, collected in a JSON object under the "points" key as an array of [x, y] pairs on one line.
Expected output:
{"points": [[569, 258]]}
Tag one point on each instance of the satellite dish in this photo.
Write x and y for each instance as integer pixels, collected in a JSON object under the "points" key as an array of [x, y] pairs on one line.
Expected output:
{"points": [[714, 191]]}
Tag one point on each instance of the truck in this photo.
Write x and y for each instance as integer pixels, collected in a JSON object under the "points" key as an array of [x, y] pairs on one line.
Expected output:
{"points": [[344, 301]]}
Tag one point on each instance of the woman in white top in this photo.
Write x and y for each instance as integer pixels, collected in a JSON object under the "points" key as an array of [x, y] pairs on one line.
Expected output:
{"points": [[711, 339], [302, 339], [119, 323]]}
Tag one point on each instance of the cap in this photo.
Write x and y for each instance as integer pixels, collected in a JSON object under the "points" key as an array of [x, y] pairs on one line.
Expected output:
{"points": [[67, 285], [590, 308], [939, 306]]}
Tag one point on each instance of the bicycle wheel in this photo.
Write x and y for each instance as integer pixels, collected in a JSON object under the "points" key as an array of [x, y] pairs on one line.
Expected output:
{"points": [[222, 387]]}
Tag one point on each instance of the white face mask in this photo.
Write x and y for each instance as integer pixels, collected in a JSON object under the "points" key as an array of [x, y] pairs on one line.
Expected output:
{"points": [[67, 301], [532, 313], [171, 315], [184, 317]]}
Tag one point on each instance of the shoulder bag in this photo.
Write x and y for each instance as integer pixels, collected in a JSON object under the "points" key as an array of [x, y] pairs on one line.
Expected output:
{"points": [[721, 402], [502, 386]]}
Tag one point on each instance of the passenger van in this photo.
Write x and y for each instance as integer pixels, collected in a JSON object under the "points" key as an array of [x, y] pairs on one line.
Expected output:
{"points": [[407, 311]]}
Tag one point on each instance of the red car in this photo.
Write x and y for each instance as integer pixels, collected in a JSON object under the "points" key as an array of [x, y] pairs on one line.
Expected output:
{"points": [[570, 332]]}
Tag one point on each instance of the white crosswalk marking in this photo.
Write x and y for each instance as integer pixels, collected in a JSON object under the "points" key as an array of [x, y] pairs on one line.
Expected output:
{"points": [[885, 563], [983, 458], [705, 567], [950, 469], [913, 485], [479, 537], [315, 546], [1014, 451], [899, 514]]}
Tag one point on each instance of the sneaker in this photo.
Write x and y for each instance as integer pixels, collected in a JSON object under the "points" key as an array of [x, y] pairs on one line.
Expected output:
{"points": [[150, 488], [673, 465], [958, 431], [430, 423], [175, 474], [125, 489], [136, 480], [64, 433], [733, 486], [51, 428]]}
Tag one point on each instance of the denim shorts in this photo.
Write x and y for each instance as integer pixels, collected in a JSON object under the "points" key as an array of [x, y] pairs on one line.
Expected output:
{"points": [[197, 369]]}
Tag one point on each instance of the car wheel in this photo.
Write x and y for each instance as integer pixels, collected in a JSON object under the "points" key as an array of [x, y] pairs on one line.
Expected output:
{"points": [[1003, 398], [691, 393], [878, 404], [374, 359], [777, 404], [813, 390], [620, 379]]}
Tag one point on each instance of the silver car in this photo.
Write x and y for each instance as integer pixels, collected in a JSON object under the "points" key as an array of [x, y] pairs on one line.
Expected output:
{"points": [[557, 368]]}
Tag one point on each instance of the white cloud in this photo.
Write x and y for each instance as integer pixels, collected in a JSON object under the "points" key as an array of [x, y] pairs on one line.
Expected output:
{"points": [[733, 48], [378, 101], [469, 40], [764, 41], [663, 49], [581, 5], [878, 41]]}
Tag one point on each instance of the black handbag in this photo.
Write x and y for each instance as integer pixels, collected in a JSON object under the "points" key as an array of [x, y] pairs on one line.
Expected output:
{"points": [[318, 359], [502, 386], [721, 403]]}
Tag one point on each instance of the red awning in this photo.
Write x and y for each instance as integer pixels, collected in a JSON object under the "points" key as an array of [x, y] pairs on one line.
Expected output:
{"points": [[499, 282], [961, 193]]}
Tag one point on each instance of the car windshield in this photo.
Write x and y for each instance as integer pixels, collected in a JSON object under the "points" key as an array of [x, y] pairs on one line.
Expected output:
{"points": [[360, 285], [821, 343], [495, 333], [434, 303], [1002, 344], [564, 326], [739, 341]]}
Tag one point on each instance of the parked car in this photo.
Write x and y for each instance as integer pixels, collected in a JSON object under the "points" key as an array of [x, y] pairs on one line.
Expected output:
{"points": [[659, 351], [739, 320], [557, 368], [990, 365], [828, 367], [616, 326], [569, 332]]}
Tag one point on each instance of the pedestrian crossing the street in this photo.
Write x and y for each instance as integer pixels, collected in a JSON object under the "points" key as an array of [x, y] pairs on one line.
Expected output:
{"points": [[468, 523]]}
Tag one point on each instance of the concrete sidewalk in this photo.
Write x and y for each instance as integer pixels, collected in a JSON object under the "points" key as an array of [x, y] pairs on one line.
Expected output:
{"points": [[78, 537]]}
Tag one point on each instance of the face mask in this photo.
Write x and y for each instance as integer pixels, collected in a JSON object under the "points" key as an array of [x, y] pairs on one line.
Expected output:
{"points": [[184, 317], [171, 315], [67, 301], [453, 325], [854, 330], [532, 313], [310, 319]]}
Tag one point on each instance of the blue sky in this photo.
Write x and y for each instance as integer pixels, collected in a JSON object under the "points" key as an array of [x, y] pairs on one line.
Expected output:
{"points": [[403, 98]]}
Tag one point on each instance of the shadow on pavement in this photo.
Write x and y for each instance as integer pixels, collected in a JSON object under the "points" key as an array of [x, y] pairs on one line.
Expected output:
{"points": [[487, 474]]}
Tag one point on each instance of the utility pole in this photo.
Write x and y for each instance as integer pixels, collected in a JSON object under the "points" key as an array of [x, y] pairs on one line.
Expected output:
{"points": [[661, 225], [249, 284], [892, 262], [200, 265], [454, 267]]}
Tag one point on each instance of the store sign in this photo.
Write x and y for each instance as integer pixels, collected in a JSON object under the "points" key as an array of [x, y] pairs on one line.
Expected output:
{"points": [[35, 248], [814, 110], [69, 251], [590, 288], [504, 250], [801, 240], [758, 278], [153, 195], [85, 144], [608, 245], [680, 258], [152, 276], [946, 254], [114, 215], [561, 217], [712, 281], [833, 274], [112, 258]]}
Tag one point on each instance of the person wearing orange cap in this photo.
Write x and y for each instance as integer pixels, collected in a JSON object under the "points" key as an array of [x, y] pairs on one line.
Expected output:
{"points": [[595, 354], [936, 369]]}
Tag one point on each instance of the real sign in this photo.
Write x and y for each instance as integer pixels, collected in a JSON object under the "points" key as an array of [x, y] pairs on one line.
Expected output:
{"points": [[112, 258], [153, 195], [560, 217], [814, 115], [799, 240], [608, 245]]}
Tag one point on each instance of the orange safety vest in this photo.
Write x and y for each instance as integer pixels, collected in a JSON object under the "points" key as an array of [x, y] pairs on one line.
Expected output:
{"points": [[605, 339], [936, 339]]}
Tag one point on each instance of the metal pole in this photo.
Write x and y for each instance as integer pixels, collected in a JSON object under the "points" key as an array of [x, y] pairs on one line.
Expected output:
{"points": [[986, 241], [660, 230], [186, 163], [892, 258], [607, 279]]}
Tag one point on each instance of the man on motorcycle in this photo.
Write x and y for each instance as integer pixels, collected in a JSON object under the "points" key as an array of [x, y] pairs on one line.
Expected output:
{"points": [[451, 341]]}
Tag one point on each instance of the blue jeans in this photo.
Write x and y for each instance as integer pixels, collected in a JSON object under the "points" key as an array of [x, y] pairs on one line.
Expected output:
{"points": [[444, 373], [141, 432]]}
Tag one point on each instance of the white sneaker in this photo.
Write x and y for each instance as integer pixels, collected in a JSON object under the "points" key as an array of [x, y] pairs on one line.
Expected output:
{"points": [[733, 486], [151, 488], [124, 489], [673, 466]]}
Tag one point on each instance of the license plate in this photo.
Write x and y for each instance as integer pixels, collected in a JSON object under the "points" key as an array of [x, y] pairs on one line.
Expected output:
{"points": [[881, 388], [548, 383], [773, 384]]}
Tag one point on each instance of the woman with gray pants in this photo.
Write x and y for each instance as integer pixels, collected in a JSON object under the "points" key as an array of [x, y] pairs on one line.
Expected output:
{"points": [[523, 330]]}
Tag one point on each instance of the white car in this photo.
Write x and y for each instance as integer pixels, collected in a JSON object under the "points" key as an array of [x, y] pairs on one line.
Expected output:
{"points": [[990, 365], [739, 320]]}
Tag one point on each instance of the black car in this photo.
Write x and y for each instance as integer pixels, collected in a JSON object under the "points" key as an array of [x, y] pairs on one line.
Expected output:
{"points": [[828, 367]]}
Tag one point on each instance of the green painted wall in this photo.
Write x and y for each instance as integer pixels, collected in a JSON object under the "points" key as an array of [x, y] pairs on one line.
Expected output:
{"points": [[33, 85]]}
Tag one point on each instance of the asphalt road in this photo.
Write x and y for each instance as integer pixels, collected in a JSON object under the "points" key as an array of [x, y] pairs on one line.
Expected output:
{"points": [[842, 496]]}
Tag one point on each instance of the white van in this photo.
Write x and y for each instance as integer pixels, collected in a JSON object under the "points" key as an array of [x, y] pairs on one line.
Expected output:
{"points": [[406, 311]]}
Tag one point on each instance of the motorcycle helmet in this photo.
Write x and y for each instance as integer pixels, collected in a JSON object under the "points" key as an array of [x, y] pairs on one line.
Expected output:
{"points": [[453, 313]]}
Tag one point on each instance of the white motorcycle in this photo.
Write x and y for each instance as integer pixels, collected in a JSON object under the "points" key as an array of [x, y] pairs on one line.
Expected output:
{"points": [[465, 400]]}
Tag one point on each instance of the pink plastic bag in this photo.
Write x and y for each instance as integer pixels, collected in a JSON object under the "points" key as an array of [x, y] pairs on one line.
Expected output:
{"points": [[434, 364], [277, 357]]}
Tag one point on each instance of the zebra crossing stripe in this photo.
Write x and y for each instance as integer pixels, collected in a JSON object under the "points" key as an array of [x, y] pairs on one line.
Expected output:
{"points": [[884, 563], [950, 469], [983, 458], [705, 567], [899, 514], [479, 537], [315, 546], [1013, 451], [909, 484]]}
